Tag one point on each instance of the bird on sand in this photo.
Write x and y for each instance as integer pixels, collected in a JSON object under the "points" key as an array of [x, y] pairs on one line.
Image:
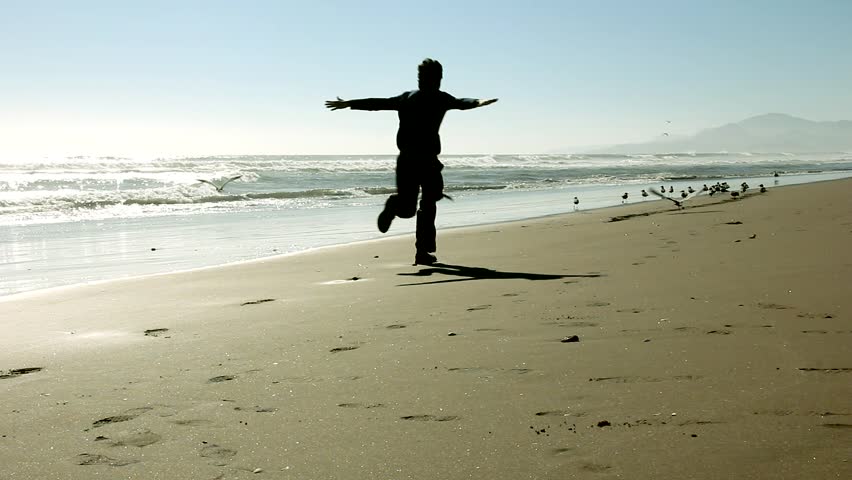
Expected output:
{"points": [[624, 197], [576, 203], [644, 193], [219, 188]]}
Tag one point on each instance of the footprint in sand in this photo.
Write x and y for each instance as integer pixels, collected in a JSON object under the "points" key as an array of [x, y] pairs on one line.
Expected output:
{"points": [[815, 315], [772, 306], [257, 409], [17, 372], [634, 379], [430, 418], [220, 456], [560, 413], [395, 326], [488, 329], [155, 332], [482, 370], [221, 378], [577, 324], [96, 459], [256, 302], [478, 307], [192, 422], [343, 349], [598, 304], [719, 332], [594, 467], [561, 450], [837, 425], [140, 439], [699, 422], [826, 370], [113, 419], [360, 405]]}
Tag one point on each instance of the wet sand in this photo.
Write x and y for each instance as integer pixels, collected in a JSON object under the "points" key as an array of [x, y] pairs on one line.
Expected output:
{"points": [[711, 342]]}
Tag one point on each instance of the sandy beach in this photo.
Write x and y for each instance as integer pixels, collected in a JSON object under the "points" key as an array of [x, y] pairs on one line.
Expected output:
{"points": [[711, 342]]}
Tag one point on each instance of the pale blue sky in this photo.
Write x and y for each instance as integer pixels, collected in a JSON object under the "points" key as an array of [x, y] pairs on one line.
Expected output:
{"points": [[250, 77]]}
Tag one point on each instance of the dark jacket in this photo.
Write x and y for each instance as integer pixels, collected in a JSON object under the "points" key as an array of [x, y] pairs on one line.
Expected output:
{"points": [[420, 116]]}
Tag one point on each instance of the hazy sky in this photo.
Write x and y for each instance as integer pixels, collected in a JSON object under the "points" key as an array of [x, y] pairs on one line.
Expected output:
{"points": [[250, 77]]}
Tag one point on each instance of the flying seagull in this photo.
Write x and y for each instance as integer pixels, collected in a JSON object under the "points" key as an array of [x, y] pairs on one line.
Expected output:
{"points": [[679, 203], [219, 188]]}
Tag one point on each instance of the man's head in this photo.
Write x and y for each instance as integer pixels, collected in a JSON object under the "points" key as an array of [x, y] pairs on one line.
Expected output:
{"points": [[429, 74]]}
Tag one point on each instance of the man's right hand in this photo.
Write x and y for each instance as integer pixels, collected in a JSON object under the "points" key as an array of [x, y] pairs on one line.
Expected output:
{"points": [[337, 104]]}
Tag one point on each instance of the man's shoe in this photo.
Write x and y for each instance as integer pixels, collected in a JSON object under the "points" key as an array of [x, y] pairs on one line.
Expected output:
{"points": [[385, 219], [387, 215], [423, 258]]}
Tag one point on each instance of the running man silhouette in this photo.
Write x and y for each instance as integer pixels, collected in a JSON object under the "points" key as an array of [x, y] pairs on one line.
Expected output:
{"points": [[417, 166]]}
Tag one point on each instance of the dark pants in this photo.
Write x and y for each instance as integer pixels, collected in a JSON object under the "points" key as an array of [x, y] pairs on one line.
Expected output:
{"points": [[414, 173]]}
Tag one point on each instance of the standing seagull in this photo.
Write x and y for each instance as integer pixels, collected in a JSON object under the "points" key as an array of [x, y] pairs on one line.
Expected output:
{"points": [[219, 188], [644, 193], [624, 197], [576, 203]]}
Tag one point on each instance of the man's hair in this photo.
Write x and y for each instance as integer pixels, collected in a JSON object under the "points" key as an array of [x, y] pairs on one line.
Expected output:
{"points": [[429, 74]]}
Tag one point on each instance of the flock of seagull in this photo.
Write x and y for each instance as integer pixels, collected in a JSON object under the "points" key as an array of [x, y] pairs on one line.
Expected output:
{"points": [[689, 193]]}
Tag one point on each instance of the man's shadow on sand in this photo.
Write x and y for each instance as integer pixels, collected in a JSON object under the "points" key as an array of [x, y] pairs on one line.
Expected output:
{"points": [[481, 273]]}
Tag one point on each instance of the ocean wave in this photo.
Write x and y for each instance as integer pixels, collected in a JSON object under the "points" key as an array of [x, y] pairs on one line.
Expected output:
{"points": [[171, 171]]}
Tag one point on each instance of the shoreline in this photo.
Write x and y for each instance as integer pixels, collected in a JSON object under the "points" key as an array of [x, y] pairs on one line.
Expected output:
{"points": [[46, 290]]}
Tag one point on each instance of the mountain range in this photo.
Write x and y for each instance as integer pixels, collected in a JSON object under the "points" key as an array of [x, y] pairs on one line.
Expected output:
{"points": [[772, 132]]}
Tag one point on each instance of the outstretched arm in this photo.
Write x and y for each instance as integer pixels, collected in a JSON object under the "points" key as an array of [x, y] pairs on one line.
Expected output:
{"points": [[364, 104], [469, 103]]}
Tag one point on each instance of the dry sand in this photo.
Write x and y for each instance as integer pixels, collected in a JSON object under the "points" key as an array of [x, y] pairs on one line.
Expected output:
{"points": [[714, 342]]}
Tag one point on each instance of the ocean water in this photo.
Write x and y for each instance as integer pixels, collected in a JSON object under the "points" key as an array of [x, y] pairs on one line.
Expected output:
{"points": [[73, 220]]}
